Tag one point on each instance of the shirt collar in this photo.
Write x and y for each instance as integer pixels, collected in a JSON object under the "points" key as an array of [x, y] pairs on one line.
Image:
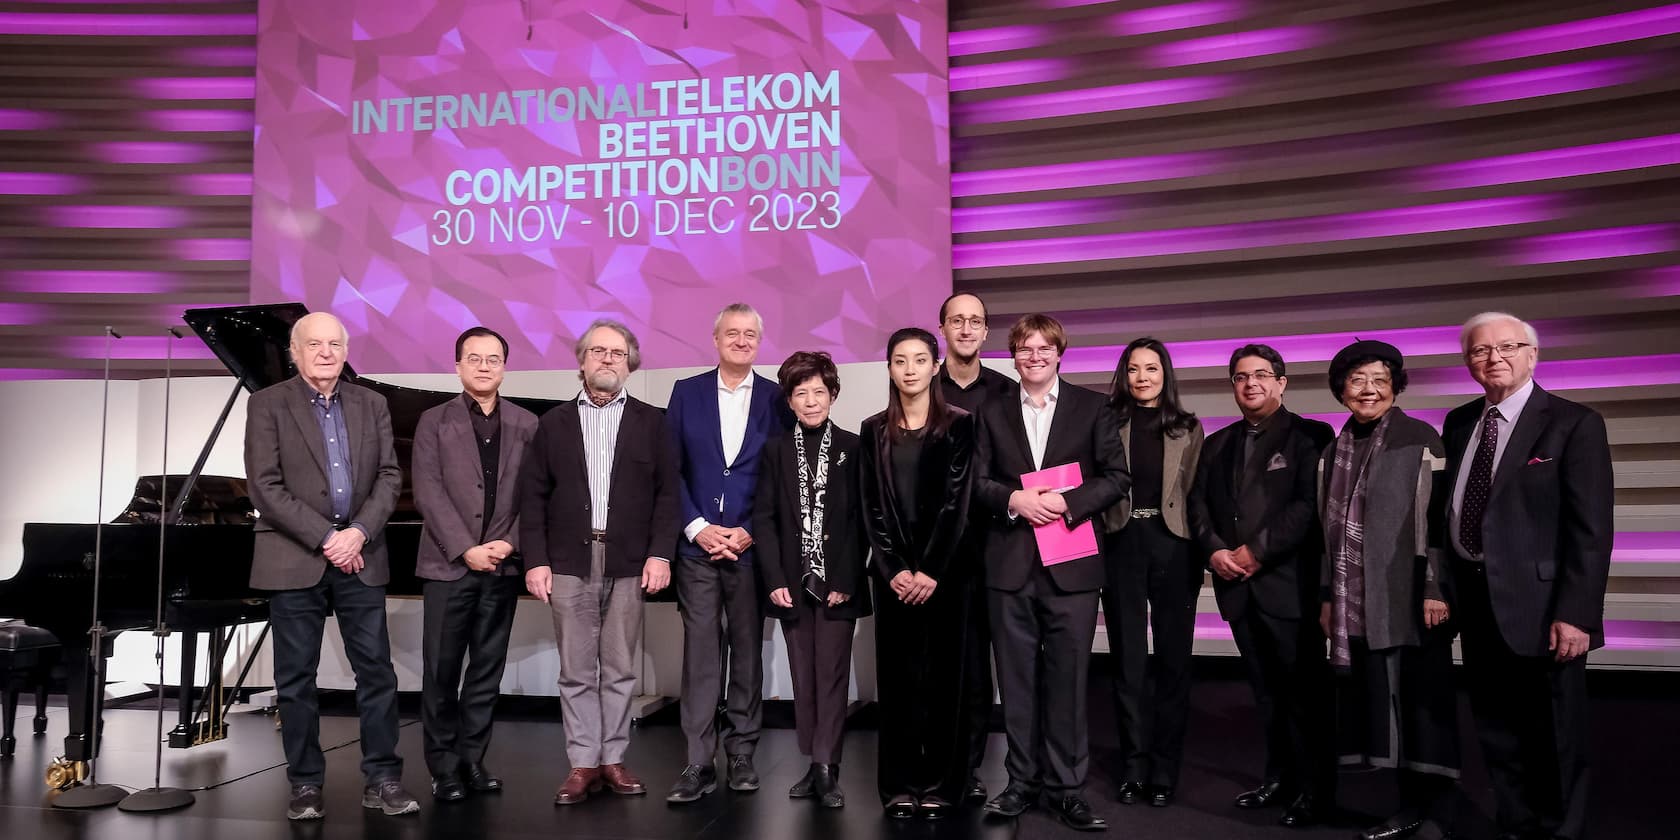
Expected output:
{"points": [[584, 402], [746, 384], [1050, 398], [1512, 406], [474, 408]]}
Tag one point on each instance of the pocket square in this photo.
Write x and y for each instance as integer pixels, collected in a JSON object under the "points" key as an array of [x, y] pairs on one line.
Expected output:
{"points": [[1278, 462], [1533, 461]]}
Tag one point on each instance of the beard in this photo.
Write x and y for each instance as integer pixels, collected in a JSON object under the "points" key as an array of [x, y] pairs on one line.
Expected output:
{"points": [[605, 380]]}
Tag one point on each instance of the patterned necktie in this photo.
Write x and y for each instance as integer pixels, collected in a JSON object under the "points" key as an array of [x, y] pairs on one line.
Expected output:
{"points": [[1474, 506]]}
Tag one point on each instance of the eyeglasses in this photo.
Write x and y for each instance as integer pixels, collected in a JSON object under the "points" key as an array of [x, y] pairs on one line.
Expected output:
{"points": [[1259, 376], [602, 353], [1024, 353], [476, 360], [957, 322], [1358, 383], [1483, 352]]}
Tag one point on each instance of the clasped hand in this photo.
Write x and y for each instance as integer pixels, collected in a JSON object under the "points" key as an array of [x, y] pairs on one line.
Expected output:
{"points": [[344, 550], [913, 588], [722, 543], [1039, 505]]}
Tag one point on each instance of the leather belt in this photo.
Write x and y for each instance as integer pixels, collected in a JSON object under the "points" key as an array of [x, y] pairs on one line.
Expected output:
{"points": [[598, 536], [1145, 513]]}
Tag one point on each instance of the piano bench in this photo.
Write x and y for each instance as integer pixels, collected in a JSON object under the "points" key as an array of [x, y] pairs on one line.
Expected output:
{"points": [[27, 657]]}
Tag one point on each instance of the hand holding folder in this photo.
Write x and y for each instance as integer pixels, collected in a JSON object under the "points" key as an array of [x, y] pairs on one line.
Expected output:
{"points": [[1057, 543]]}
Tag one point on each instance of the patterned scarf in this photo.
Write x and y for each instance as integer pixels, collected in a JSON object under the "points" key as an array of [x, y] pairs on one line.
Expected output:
{"points": [[1344, 537], [813, 486]]}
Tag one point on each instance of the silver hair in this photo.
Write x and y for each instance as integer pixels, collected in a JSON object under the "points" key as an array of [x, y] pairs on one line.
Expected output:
{"points": [[635, 347], [342, 330], [1485, 318], [738, 309]]}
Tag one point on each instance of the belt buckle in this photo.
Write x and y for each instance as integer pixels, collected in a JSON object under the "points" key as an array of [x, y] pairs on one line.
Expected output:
{"points": [[1145, 513], [597, 536]]}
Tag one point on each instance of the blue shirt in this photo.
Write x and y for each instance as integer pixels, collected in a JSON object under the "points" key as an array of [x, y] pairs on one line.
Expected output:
{"points": [[335, 436]]}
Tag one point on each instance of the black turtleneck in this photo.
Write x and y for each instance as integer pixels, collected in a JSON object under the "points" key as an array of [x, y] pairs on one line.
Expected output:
{"points": [[1146, 456]]}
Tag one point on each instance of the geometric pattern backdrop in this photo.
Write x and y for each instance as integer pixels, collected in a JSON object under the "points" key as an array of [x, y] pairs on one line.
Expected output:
{"points": [[1305, 172]]}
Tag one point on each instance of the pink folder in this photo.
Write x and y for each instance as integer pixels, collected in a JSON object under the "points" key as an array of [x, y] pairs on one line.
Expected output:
{"points": [[1057, 543]]}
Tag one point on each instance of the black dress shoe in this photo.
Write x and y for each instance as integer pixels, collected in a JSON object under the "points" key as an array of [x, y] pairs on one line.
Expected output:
{"points": [[976, 792], [1301, 813], [1265, 796], [933, 808], [901, 807], [805, 788], [696, 781], [1130, 793], [1404, 824], [742, 776], [827, 786], [1075, 813], [480, 779], [447, 787], [1014, 800], [1160, 796]]}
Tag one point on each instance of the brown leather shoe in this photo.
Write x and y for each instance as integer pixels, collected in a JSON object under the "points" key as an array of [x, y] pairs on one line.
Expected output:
{"points": [[581, 782], [621, 781]]}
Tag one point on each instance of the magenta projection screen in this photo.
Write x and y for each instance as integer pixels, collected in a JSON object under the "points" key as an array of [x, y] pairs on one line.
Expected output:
{"points": [[427, 165]]}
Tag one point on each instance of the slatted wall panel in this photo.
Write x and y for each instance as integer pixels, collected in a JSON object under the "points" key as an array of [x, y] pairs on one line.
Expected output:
{"points": [[1300, 172], [125, 179]]}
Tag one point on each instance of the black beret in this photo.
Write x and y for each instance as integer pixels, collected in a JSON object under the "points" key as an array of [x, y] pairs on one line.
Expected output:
{"points": [[1380, 350]]}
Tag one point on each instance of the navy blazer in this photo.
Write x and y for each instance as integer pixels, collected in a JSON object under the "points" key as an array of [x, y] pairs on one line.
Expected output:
{"points": [[720, 493]]}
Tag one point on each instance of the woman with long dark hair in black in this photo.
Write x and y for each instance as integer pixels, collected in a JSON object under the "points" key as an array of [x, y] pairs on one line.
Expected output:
{"points": [[916, 483], [1152, 580]]}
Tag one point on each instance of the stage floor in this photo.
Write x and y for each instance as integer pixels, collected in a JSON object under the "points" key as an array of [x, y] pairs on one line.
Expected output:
{"points": [[1635, 743]]}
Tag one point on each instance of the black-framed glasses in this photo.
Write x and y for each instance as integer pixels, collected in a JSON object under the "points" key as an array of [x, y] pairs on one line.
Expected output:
{"points": [[1483, 352]]}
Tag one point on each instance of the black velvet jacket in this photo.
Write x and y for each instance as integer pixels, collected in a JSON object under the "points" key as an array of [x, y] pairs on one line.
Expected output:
{"points": [[944, 484], [776, 524]]}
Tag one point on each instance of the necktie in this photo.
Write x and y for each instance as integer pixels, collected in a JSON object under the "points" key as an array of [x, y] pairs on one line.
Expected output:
{"points": [[1474, 506]]}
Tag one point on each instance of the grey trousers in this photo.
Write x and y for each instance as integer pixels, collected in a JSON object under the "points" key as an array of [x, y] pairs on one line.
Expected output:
{"points": [[723, 641], [598, 629]]}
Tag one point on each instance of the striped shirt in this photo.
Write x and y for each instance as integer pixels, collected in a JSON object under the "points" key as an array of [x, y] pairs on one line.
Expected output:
{"points": [[600, 440]]}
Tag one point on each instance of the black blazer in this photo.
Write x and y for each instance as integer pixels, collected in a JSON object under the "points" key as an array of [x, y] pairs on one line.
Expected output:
{"points": [[554, 500], [776, 524], [1550, 518], [943, 487], [1274, 513], [1085, 430]]}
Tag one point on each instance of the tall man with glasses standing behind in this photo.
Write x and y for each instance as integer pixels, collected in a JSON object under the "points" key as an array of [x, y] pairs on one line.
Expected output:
{"points": [[968, 384], [467, 455], [1254, 520], [1531, 522], [720, 421]]}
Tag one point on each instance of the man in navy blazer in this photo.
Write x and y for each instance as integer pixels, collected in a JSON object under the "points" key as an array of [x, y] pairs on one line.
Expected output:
{"points": [[1531, 524], [720, 421]]}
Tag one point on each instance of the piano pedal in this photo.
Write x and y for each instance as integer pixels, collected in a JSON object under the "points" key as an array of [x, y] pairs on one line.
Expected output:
{"points": [[63, 774]]}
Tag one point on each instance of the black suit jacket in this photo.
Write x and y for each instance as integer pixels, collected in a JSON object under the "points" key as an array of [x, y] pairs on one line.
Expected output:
{"points": [[776, 522], [1084, 430], [945, 480], [1274, 512], [1550, 519], [554, 500]]}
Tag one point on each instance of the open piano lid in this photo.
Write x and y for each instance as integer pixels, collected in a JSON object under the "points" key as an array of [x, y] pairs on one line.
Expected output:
{"points": [[253, 341]]}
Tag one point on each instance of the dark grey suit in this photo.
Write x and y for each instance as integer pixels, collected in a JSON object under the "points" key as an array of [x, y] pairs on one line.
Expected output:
{"points": [[1546, 538], [468, 614], [286, 467]]}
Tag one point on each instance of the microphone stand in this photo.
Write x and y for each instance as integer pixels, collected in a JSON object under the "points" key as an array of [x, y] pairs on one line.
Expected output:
{"points": [[157, 797], [93, 794]]}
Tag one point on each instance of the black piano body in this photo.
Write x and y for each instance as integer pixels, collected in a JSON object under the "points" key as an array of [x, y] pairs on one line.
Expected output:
{"points": [[207, 543]]}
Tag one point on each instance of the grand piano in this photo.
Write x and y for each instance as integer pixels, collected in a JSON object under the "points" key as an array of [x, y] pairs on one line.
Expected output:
{"points": [[207, 543]]}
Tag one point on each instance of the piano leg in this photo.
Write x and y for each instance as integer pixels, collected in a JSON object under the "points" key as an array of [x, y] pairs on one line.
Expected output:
{"points": [[86, 699], [183, 735], [42, 680]]}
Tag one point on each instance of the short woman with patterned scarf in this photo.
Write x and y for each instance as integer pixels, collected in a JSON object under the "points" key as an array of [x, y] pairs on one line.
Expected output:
{"points": [[1382, 494], [811, 541], [916, 485]]}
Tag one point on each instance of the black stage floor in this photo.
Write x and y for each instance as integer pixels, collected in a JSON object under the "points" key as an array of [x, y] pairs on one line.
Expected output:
{"points": [[1636, 739]]}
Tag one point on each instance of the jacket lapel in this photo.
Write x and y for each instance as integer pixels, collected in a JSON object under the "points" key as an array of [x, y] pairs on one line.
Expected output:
{"points": [[310, 428], [1172, 459], [1061, 425], [1536, 414], [1018, 426]]}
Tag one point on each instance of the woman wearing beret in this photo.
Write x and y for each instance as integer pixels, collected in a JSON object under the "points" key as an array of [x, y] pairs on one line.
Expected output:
{"points": [[1382, 497], [809, 529], [916, 485], [1152, 580]]}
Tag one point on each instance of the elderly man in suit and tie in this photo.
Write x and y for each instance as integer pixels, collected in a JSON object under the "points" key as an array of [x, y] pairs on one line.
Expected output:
{"points": [[1531, 523], [1044, 618], [720, 421], [1254, 519], [598, 504], [467, 454], [323, 477]]}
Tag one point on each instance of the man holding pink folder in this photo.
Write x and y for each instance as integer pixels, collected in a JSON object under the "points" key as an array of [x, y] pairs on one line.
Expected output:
{"points": [[1046, 462]]}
